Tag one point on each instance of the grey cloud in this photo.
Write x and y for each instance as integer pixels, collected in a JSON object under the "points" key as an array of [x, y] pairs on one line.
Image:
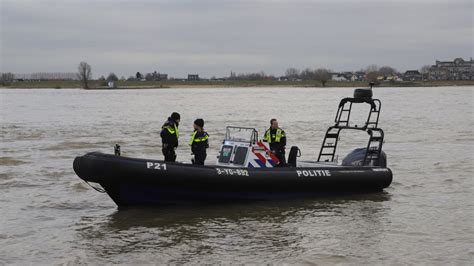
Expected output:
{"points": [[214, 37]]}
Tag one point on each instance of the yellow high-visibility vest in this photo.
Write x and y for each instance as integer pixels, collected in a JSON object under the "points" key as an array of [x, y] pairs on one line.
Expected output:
{"points": [[200, 139], [268, 138], [172, 130]]}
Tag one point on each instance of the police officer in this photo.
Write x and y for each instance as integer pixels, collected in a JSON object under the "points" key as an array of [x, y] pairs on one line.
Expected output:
{"points": [[169, 137], [199, 142], [276, 137]]}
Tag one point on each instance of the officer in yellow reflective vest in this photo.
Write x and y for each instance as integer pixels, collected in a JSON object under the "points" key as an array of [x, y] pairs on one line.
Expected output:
{"points": [[276, 137], [199, 142], [169, 137]]}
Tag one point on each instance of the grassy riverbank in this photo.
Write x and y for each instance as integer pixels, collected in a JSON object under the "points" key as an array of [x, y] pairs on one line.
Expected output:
{"points": [[230, 83]]}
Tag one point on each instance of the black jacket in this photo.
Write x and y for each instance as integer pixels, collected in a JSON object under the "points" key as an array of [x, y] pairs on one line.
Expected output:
{"points": [[170, 133], [199, 142]]}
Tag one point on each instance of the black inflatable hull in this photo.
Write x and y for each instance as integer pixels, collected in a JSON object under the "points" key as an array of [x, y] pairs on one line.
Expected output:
{"points": [[131, 181]]}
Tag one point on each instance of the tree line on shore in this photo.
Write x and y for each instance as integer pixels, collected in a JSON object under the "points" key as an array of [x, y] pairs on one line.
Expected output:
{"points": [[371, 73], [322, 75]]}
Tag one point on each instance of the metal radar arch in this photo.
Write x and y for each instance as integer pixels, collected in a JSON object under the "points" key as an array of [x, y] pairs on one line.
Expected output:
{"points": [[342, 121]]}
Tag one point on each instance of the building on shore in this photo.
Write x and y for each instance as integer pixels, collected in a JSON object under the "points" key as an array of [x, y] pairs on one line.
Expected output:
{"points": [[412, 75], [348, 76], [162, 76], [458, 69], [193, 77], [338, 77], [156, 76]]}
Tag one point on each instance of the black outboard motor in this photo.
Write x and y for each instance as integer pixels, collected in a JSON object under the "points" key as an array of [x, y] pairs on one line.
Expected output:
{"points": [[356, 158]]}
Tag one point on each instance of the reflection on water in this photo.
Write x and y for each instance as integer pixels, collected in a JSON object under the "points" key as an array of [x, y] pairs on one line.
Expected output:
{"points": [[257, 230], [274, 211], [47, 214]]}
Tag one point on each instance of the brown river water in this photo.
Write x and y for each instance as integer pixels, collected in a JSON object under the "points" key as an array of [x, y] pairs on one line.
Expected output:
{"points": [[49, 216]]}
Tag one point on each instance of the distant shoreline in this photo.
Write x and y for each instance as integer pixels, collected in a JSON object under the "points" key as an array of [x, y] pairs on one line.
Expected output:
{"points": [[147, 85]]}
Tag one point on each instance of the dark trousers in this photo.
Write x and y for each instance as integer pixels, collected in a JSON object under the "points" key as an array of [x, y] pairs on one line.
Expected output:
{"points": [[281, 157], [199, 158], [169, 153]]}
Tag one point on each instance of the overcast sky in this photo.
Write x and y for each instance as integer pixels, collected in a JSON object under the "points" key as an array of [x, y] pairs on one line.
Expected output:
{"points": [[212, 38]]}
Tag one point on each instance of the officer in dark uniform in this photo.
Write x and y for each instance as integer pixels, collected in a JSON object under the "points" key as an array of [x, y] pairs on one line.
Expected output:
{"points": [[276, 137], [199, 142], [169, 137]]}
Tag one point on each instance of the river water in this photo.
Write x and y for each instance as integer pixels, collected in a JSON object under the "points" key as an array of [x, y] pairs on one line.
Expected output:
{"points": [[48, 215]]}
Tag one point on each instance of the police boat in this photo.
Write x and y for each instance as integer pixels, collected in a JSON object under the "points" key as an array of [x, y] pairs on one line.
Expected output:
{"points": [[245, 168]]}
